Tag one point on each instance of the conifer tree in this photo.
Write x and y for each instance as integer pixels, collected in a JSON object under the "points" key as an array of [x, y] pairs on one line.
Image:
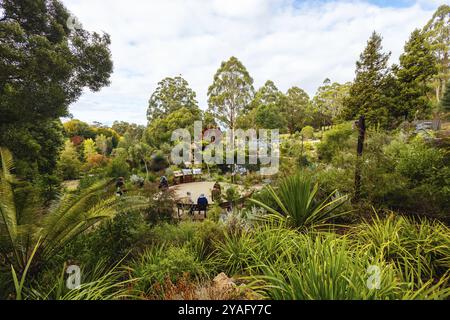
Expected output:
{"points": [[416, 70], [369, 94]]}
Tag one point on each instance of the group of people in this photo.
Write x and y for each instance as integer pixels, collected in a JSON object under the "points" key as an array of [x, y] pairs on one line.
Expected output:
{"points": [[202, 202]]}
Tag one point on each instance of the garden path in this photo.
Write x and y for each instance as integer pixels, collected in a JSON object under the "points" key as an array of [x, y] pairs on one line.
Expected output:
{"points": [[195, 188]]}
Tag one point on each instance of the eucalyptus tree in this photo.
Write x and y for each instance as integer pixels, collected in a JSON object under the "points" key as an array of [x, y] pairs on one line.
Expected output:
{"points": [[172, 94], [266, 108], [328, 103], [437, 31], [45, 64], [230, 93], [296, 109]]}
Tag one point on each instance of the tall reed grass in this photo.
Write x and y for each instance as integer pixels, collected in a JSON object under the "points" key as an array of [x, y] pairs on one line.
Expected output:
{"points": [[411, 257]]}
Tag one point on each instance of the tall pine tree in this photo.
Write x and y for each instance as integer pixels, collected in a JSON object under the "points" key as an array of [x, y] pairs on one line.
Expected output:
{"points": [[369, 94], [416, 70]]}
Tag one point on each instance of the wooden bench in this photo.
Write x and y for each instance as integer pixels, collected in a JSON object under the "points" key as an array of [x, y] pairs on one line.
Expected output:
{"points": [[191, 208]]}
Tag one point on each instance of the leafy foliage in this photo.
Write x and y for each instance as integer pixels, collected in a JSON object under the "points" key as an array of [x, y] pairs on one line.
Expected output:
{"points": [[45, 67], [22, 227], [69, 165], [158, 263], [160, 130], [446, 99], [333, 141], [171, 95], [438, 36], [102, 282], [329, 102], [231, 92]]}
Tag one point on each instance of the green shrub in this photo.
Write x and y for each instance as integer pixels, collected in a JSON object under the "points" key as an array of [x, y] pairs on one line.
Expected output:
{"points": [[173, 234], [334, 140], [234, 255], [214, 213], [152, 177], [324, 269], [308, 132], [118, 167], [160, 263], [331, 178], [200, 236], [264, 196], [159, 162], [48, 187], [232, 194], [88, 180], [273, 244], [69, 166], [417, 161], [208, 234], [111, 241], [408, 176], [161, 205]]}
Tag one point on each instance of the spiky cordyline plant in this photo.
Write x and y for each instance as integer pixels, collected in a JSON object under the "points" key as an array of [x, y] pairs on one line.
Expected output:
{"points": [[296, 199], [72, 214]]}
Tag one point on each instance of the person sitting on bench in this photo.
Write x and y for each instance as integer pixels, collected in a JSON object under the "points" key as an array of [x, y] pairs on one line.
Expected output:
{"points": [[188, 202], [163, 183], [120, 186], [202, 203]]}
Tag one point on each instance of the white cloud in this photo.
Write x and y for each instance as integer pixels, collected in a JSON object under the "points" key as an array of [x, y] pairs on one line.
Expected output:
{"points": [[288, 42]]}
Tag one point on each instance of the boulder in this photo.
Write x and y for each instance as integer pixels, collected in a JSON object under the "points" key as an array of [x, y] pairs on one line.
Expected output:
{"points": [[222, 282]]}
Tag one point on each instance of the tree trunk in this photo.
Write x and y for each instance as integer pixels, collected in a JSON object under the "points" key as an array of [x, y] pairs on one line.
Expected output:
{"points": [[359, 153], [146, 170], [438, 91], [303, 141]]}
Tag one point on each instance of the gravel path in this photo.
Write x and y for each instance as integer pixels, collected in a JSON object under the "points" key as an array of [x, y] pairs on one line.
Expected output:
{"points": [[195, 188]]}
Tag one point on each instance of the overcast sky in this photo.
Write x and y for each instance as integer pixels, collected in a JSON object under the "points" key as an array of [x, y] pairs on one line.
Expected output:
{"points": [[293, 43]]}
